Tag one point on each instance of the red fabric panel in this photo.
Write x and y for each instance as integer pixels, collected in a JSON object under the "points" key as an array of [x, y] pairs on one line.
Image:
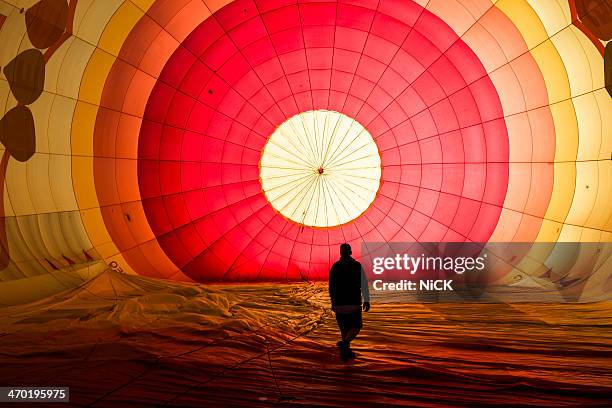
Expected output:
{"points": [[404, 75]]}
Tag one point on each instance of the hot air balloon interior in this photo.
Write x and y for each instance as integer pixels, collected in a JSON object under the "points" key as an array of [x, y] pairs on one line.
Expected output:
{"points": [[178, 176]]}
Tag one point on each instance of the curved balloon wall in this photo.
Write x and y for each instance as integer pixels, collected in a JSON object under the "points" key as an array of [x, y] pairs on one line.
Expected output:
{"points": [[133, 133]]}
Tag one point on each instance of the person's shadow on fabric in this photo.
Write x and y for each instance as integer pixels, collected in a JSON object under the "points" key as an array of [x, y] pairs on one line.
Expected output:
{"points": [[348, 287]]}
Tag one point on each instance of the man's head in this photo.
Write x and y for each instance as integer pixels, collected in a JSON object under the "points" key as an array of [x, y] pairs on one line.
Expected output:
{"points": [[345, 250]]}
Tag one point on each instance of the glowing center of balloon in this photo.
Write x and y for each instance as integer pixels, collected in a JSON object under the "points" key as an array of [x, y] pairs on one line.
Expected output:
{"points": [[321, 169]]}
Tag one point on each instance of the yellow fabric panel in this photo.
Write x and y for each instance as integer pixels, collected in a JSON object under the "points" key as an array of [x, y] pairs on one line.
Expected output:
{"points": [[94, 77], [592, 235], [6, 7], [544, 52], [36, 249], [82, 179], [566, 130], [563, 193], [21, 246], [519, 128], [91, 18], [11, 102], [62, 193], [92, 218], [570, 233], [74, 233], [532, 263], [590, 206], [549, 232], [43, 172], [28, 269], [593, 257], [119, 27], [53, 66], [585, 67], [593, 56], [108, 251], [38, 183], [60, 121], [575, 60], [554, 14], [144, 5], [82, 129], [552, 57], [525, 19], [600, 214], [71, 60], [41, 109], [602, 272], [13, 37], [589, 127], [555, 75], [5, 93], [91, 86], [16, 200], [47, 231], [587, 175], [605, 108], [114, 32]]}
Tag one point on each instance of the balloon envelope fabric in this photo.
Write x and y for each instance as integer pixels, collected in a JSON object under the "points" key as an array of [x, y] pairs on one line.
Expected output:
{"points": [[236, 141]]}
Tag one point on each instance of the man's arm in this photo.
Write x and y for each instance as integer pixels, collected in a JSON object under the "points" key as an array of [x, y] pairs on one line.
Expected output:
{"points": [[365, 290], [332, 287]]}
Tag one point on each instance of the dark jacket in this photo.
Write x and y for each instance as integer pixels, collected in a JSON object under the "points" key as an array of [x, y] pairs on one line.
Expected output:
{"points": [[347, 282]]}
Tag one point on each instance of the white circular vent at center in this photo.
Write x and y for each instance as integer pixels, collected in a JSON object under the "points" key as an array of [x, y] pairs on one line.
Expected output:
{"points": [[321, 169]]}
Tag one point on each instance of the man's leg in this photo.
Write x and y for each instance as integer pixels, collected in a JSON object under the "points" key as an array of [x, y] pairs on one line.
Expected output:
{"points": [[345, 324], [341, 318], [350, 324], [354, 323]]}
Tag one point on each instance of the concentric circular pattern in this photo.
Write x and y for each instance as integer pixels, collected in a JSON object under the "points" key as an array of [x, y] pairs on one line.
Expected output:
{"points": [[435, 117], [320, 169], [155, 116]]}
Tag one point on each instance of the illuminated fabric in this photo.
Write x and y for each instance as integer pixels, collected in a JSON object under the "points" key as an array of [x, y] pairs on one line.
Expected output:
{"points": [[320, 168], [489, 118]]}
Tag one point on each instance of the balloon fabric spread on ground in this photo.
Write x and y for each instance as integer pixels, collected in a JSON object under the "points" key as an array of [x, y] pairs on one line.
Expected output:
{"points": [[241, 141]]}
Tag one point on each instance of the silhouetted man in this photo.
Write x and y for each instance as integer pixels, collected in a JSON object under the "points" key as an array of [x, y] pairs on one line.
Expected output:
{"points": [[347, 285]]}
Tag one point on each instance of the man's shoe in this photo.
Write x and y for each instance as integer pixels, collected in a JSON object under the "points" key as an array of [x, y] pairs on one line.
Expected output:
{"points": [[345, 351], [345, 355]]}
